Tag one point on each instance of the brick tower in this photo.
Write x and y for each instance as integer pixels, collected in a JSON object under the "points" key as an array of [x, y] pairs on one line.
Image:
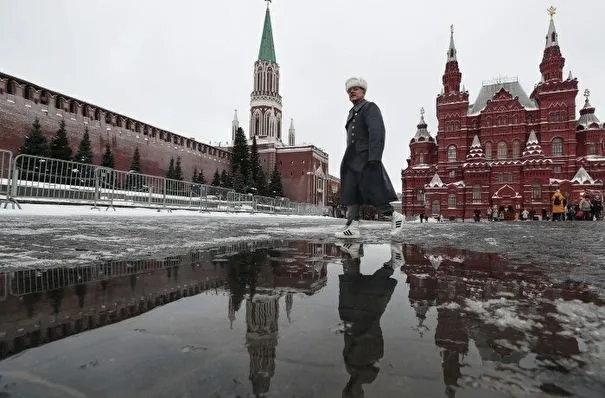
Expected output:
{"points": [[265, 101]]}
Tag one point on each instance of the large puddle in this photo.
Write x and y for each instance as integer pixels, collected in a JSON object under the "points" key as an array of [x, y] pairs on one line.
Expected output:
{"points": [[301, 319]]}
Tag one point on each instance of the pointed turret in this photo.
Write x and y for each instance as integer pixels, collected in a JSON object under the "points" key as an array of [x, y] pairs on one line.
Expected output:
{"points": [[552, 38], [475, 153], [422, 134], [451, 51], [292, 134], [588, 119], [234, 126], [267, 48], [533, 149], [452, 76], [265, 101], [552, 63]]}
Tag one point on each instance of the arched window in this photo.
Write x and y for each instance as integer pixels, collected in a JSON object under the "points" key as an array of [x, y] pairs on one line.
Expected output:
{"points": [[420, 197], [85, 112], [27, 93], [536, 192], [73, 107], [488, 150], [502, 150], [516, 149], [436, 207], [256, 124], [451, 153], [278, 128], [557, 146], [476, 193], [451, 201], [44, 98], [421, 158], [591, 148], [10, 87], [270, 79]]}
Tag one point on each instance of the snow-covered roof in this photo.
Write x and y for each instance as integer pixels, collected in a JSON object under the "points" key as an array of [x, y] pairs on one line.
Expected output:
{"points": [[588, 119], [488, 91], [436, 182], [533, 147], [422, 134], [506, 191], [582, 177]]}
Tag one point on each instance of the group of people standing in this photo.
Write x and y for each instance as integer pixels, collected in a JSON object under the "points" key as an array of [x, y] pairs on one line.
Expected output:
{"points": [[588, 208]]}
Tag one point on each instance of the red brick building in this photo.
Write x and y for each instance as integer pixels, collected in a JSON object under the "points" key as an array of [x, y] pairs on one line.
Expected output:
{"points": [[304, 168], [506, 148]]}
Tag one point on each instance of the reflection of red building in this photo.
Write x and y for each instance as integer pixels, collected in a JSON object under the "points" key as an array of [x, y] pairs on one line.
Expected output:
{"points": [[506, 148], [455, 281]]}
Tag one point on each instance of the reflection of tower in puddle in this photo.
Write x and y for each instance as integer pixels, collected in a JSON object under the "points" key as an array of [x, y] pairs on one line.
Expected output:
{"points": [[262, 312], [421, 277]]}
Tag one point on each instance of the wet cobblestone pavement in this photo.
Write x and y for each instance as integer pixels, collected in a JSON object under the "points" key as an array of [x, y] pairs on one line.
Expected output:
{"points": [[226, 308]]}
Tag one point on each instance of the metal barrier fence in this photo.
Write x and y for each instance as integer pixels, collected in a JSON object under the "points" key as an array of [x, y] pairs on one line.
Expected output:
{"points": [[6, 167], [47, 180]]}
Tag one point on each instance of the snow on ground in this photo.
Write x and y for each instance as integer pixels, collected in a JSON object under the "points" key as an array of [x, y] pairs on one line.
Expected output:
{"points": [[53, 235]]}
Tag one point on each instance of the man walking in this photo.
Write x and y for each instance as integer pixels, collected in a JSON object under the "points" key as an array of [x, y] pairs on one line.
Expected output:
{"points": [[362, 176]]}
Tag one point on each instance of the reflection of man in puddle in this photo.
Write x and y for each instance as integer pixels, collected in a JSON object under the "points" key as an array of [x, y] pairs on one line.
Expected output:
{"points": [[361, 303]]}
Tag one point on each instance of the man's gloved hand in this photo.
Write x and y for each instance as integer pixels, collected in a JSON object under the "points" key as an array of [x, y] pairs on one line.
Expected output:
{"points": [[373, 162]]}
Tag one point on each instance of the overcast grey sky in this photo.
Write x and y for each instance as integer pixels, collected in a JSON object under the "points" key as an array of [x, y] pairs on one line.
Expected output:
{"points": [[184, 66]]}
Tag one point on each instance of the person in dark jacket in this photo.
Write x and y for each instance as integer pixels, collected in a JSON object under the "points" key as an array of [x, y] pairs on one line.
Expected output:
{"points": [[362, 300], [363, 179]]}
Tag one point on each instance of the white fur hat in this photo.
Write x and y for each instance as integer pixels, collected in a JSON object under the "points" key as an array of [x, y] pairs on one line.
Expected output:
{"points": [[356, 82]]}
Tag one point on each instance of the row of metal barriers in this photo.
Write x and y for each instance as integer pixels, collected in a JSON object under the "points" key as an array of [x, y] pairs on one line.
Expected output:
{"points": [[35, 179]]}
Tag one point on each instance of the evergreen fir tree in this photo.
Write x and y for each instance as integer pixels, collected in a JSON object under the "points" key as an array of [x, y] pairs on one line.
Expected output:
{"points": [[259, 181], [170, 172], [35, 143], [59, 146], [135, 165], [178, 170], [108, 158], [238, 180], [201, 179], [240, 157], [135, 180], [216, 181], [226, 181], [275, 185], [84, 154]]}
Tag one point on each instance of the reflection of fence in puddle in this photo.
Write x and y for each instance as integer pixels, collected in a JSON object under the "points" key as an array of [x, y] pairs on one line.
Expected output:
{"points": [[41, 280], [43, 305]]}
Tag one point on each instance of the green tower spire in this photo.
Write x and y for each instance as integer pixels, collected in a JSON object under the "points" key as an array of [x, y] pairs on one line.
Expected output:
{"points": [[267, 50]]}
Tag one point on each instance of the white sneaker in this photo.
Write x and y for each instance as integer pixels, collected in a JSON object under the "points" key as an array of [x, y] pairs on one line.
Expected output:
{"points": [[352, 249], [397, 225], [396, 260], [349, 232]]}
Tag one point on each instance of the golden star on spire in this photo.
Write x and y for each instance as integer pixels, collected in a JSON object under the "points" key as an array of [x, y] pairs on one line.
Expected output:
{"points": [[587, 94], [452, 29], [551, 11], [268, 1]]}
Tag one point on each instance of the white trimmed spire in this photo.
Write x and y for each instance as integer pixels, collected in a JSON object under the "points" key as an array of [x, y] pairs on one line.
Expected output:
{"points": [[234, 126], [451, 51], [552, 38], [292, 134]]}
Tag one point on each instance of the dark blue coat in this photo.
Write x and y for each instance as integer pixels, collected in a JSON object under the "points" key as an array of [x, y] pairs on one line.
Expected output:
{"points": [[363, 183]]}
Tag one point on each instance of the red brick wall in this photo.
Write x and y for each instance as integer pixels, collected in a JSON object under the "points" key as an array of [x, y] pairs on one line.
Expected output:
{"points": [[17, 115]]}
